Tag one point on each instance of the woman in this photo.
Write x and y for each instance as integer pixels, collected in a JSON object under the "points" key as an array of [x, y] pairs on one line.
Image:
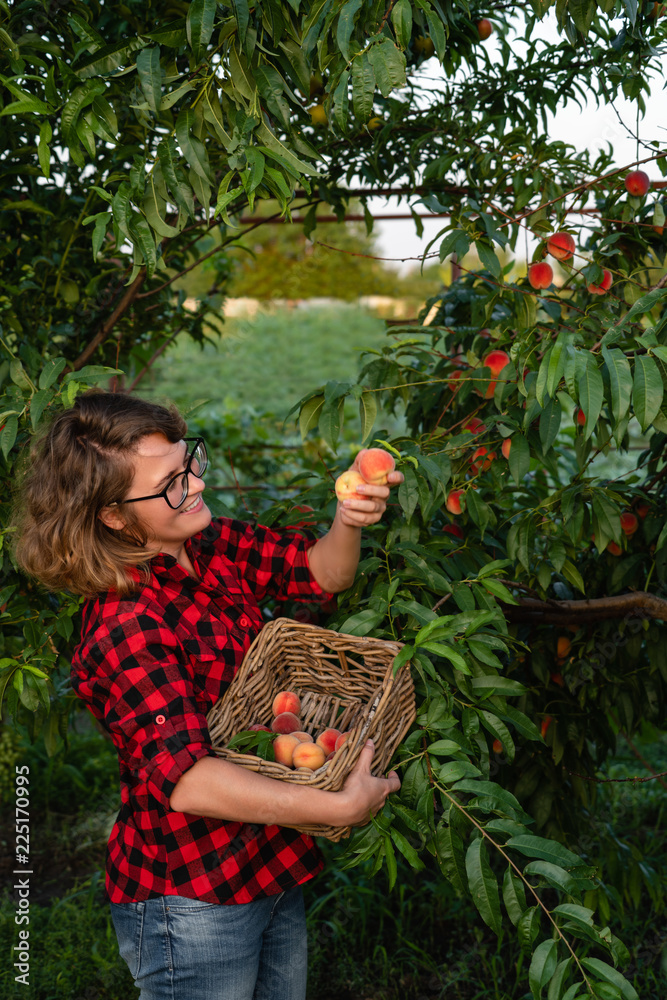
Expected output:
{"points": [[204, 871]]}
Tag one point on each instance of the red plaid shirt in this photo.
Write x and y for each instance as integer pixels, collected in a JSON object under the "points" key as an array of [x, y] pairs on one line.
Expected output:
{"points": [[150, 666]]}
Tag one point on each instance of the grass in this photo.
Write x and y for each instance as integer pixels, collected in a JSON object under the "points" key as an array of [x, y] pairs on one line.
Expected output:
{"points": [[270, 362]]}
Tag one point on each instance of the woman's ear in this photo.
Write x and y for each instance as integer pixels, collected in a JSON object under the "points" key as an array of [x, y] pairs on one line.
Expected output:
{"points": [[112, 518]]}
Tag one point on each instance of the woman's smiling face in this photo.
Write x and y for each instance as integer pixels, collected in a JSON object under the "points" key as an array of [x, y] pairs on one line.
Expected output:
{"points": [[156, 461]]}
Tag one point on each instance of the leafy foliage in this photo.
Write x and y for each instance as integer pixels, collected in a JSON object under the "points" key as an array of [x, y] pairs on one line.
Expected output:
{"points": [[141, 129]]}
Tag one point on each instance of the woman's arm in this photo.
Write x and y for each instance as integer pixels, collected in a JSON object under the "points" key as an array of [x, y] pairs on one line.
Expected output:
{"points": [[334, 558], [220, 789]]}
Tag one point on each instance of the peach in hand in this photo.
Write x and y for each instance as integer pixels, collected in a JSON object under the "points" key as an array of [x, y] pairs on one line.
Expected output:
{"points": [[283, 748], [286, 701], [374, 464], [308, 755], [346, 485], [286, 722], [327, 740]]}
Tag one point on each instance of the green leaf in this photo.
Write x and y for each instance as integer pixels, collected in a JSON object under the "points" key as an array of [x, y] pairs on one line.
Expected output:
{"points": [[309, 414], [449, 852], [547, 850], [406, 849], [620, 381], [487, 256], [401, 18], [647, 391], [8, 434], [553, 874], [242, 14], [193, 149], [43, 151], [173, 34], [455, 770], [558, 979], [150, 77], [363, 87], [408, 492], [500, 591], [440, 649], [456, 241], [107, 60], [572, 574], [610, 975], [362, 622], [7, 42], [388, 64], [144, 241], [341, 100], [437, 33], [255, 173], [499, 685], [519, 458], [50, 372], [345, 26], [271, 140], [542, 966], [154, 210], [331, 420], [368, 409], [550, 418], [199, 25], [483, 885], [528, 928], [514, 895], [38, 404], [556, 368], [591, 390]]}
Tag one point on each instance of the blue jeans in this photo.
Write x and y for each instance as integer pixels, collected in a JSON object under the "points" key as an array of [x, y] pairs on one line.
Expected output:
{"points": [[183, 949]]}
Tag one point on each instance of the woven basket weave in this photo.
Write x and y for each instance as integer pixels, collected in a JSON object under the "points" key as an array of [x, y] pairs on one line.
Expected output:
{"points": [[343, 681]]}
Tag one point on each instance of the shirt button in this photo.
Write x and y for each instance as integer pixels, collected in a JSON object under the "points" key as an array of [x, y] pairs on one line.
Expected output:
{"points": [[243, 621], [160, 719]]}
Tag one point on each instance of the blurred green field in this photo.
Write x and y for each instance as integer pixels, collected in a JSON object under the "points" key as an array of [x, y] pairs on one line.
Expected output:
{"points": [[268, 362]]}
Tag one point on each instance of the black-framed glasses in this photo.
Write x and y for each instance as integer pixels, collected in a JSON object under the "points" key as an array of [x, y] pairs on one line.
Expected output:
{"points": [[176, 490]]}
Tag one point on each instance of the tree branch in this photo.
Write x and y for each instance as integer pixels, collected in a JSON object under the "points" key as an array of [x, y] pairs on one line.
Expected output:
{"points": [[636, 604], [121, 308]]}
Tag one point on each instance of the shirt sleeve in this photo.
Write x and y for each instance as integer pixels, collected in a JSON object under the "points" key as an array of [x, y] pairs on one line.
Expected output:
{"points": [[143, 693], [274, 562]]}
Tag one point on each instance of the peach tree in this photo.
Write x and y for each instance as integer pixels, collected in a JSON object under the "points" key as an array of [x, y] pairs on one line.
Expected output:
{"points": [[523, 565]]}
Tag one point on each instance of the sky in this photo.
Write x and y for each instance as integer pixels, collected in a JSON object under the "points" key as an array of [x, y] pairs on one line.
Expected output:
{"points": [[591, 128]]}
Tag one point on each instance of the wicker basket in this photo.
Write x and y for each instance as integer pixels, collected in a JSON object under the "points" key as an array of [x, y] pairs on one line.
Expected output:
{"points": [[343, 681]]}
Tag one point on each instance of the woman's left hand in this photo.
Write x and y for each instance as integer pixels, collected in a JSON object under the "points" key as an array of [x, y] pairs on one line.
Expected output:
{"points": [[358, 513]]}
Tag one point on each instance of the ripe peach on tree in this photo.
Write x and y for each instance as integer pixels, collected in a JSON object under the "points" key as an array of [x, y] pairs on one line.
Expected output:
{"points": [[453, 502], [495, 361], [484, 29], [637, 183], [603, 286], [561, 245], [540, 275]]}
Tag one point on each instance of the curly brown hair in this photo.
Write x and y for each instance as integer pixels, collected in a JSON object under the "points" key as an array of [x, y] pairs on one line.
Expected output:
{"points": [[79, 464]]}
